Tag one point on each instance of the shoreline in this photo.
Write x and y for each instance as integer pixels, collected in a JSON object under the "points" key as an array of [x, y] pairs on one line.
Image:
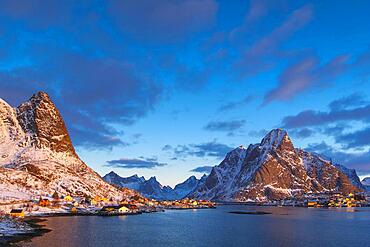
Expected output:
{"points": [[38, 230]]}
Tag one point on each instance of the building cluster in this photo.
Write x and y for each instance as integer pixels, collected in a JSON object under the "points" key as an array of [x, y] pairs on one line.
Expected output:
{"points": [[338, 200], [327, 199], [56, 204], [187, 204]]}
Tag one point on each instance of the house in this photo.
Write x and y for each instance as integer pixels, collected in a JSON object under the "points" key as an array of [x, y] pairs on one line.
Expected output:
{"points": [[44, 202], [74, 210], [115, 209], [311, 204], [93, 202], [107, 209], [123, 209], [68, 198], [19, 213]]}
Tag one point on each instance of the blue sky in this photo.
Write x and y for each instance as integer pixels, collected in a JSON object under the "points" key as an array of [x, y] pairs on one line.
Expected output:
{"points": [[166, 88]]}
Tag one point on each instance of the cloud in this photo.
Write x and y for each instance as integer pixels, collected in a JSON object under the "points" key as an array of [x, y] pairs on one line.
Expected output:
{"points": [[235, 104], [167, 147], [202, 169], [336, 122], [335, 130], [144, 163], [357, 139], [41, 14], [317, 118], [164, 21], [227, 126], [302, 133], [91, 93], [258, 133], [304, 75], [208, 149], [359, 160], [258, 56], [349, 101]]}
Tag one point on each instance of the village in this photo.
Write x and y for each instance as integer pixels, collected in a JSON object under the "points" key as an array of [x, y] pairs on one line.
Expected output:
{"points": [[325, 200], [55, 204]]}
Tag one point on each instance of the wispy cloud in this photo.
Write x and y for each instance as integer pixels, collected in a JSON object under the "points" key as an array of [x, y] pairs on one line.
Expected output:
{"points": [[145, 163], [164, 21], [357, 139], [225, 126], [258, 57], [202, 169], [317, 118], [304, 75], [208, 149], [235, 104]]}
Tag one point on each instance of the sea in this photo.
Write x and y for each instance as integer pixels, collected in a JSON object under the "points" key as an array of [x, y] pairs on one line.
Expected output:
{"points": [[272, 226]]}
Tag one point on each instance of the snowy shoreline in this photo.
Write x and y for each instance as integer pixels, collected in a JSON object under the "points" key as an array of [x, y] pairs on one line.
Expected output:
{"points": [[14, 230]]}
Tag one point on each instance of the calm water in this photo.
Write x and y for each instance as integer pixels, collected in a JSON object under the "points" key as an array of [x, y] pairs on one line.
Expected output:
{"points": [[214, 227]]}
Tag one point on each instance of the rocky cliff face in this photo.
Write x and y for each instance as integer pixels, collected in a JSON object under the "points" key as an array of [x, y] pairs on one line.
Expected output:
{"points": [[37, 156], [271, 170], [42, 122]]}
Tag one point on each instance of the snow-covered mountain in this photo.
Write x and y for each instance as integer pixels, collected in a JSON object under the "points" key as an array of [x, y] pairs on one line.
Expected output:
{"points": [[366, 183], [185, 188], [37, 156], [151, 188], [272, 169]]}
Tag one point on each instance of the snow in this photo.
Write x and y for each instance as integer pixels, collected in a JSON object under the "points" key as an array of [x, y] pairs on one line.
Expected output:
{"points": [[29, 166], [10, 227], [274, 138], [296, 171], [151, 188], [366, 181]]}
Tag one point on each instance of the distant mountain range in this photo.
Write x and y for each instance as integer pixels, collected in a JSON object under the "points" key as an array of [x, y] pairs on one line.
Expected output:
{"points": [[151, 188], [366, 183], [37, 156], [274, 169]]}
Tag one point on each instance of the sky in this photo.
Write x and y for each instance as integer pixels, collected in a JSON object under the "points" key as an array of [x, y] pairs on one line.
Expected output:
{"points": [[166, 88]]}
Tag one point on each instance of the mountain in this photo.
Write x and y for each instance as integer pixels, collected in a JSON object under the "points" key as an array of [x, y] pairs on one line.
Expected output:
{"points": [[151, 188], [134, 182], [366, 183], [352, 175], [270, 170], [37, 156], [183, 189]]}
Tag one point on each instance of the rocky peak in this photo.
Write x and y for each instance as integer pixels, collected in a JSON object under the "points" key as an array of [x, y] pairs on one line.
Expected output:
{"points": [[277, 139], [153, 180], [41, 120], [112, 174], [366, 181]]}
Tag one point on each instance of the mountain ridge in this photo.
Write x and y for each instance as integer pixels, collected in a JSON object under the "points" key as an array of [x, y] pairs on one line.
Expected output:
{"points": [[151, 188], [271, 170]]}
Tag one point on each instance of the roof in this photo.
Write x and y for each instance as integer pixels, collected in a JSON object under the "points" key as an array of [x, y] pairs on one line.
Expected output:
{"points": [[111, 207], [16, 211]]}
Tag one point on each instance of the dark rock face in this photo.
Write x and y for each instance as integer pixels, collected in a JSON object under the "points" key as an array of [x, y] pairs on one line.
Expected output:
{"points": [[40, 118], [272, 170]]}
